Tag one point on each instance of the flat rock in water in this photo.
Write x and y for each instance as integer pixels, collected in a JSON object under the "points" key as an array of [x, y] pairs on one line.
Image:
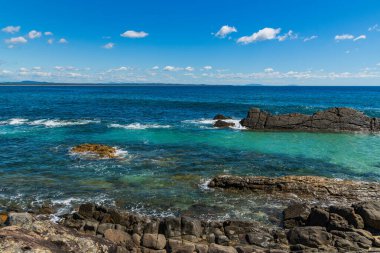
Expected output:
{"points": [[331, 120], [100, 150], [223, 124], [305, 187]]}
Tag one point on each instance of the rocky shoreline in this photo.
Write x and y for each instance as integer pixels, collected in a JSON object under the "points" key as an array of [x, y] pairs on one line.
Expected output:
{"points": [[353, 225], [93, 228]]}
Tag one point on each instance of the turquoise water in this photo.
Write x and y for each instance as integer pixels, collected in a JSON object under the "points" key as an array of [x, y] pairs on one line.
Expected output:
{"points": [[169, 149]]}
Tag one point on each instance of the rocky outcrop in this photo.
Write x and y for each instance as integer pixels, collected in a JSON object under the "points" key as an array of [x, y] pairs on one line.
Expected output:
{"points": [[330, 120], [220, 117], [98, 150], [223, 124], [95, 228], [305, 187]]}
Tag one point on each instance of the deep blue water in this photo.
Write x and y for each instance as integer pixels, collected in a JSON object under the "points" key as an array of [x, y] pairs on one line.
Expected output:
{"points": [[168, 146]]}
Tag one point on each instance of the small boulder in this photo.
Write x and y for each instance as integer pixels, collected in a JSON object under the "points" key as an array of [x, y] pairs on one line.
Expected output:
{"points": [[318, 217], [310, 236], [223, 124], [190, 226], [86, 210], [370, 212], [296, 215], [117, 236], [221, 117], [215, 248], [154, 241], [23, 220]]}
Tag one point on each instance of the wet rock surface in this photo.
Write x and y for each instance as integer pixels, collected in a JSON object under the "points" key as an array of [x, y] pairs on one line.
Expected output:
{"points": [[223, 124], [304, 187], [305, 228], [98, 150], [331, 120]]}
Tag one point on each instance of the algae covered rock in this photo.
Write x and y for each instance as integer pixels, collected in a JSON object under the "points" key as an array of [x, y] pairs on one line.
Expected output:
{"points": [[99, 150]]}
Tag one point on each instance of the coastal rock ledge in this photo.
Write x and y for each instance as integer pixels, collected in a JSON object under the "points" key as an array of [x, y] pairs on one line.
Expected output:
{"points": [[304, 187], [331, 120]]}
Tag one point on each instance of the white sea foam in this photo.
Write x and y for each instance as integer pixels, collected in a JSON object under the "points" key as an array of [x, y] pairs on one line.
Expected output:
{"points": [[138, 126], [47, 122], [212, 121], [203, 185]]}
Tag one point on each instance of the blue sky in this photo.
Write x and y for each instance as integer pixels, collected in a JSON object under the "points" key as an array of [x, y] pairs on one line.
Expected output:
{"points": [[214, 42]]}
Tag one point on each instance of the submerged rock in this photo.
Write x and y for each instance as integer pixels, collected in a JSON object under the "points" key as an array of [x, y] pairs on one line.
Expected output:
{"points": [[331, 120], [100, 150], [223, 124], [305, 187]]}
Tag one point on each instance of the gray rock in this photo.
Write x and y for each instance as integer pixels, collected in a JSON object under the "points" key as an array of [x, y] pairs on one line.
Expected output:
{"points": [[117, 236], [154, 241], [171, 227], [23, 220]]}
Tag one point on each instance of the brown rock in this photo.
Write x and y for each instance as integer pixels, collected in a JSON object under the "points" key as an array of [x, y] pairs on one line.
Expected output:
{"points": [[215, 248], [310, 236], [296, 215], [102, 151], [370, 212], [305, 187], [117, 236], [154, 241]]}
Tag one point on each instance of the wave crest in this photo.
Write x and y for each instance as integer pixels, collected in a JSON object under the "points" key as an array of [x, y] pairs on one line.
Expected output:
{"points": [[138, 126]]}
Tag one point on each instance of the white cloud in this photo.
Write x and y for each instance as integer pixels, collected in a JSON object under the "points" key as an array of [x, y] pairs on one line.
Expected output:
{"points": [[34, 34], [50, 41], [62, 41], [361, 37], [134, 34], [189, 68], [268, 70], [24, 69], [289, 35], [263, 34], [349, 37], [48, 33], [109, 45], [11, 29], [16, 40], [313, 37], [122, 68], [59, 68], [225, 30], [344, 37], [374, 28], [156, 68], [37, 68], [207, 67], [170, 68]]}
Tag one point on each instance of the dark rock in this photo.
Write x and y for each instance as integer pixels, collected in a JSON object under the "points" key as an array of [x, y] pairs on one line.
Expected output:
{"points": [[223, 124], [337, 222], [305, 187], [370, 212], [222, 240], [87, 210], [90, 226], [221, 117], [349, 214], [354, 238], [318, 217], [170, 227], [296, 215], [310, 236], [330, 120]]}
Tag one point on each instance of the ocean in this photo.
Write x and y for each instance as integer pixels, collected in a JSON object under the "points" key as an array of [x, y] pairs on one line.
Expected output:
{"points": [[168, 147]]}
